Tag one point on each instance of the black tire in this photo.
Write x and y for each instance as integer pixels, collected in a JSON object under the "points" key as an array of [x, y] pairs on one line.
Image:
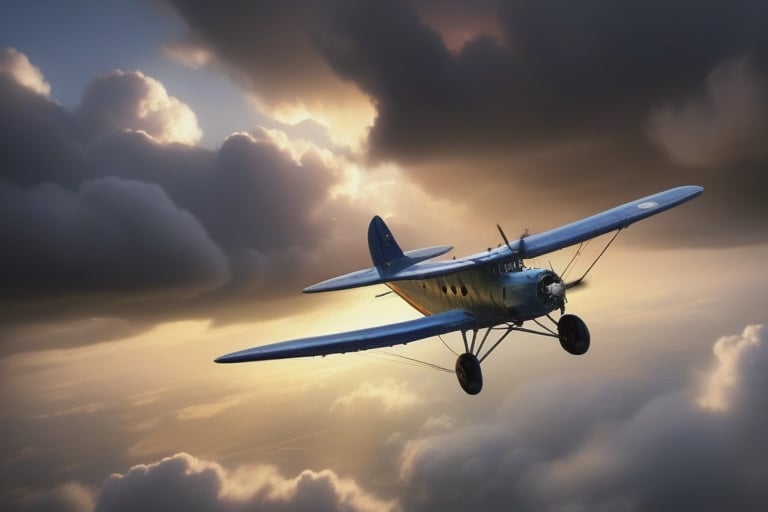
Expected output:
{"points": [[469, 374], [573, 334]]}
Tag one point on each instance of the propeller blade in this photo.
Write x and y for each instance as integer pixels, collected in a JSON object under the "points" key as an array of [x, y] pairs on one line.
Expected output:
{"points": [[578, 283], [503, 236], [520, 252]]}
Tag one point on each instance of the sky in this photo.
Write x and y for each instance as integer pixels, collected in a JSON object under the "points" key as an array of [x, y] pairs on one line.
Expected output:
{"points": [[173, 173]]}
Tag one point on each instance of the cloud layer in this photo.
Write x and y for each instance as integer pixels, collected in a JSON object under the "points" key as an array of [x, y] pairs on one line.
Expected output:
{"points": [[555, 101], [112, 211], [510, 109], [654, 441], [183, 482], [604, 446]]}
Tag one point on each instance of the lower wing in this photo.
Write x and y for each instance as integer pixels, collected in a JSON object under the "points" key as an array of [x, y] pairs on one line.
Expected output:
{"points": [[363, 339]]}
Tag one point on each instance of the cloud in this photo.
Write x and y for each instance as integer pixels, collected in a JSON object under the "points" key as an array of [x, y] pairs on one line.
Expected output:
{"points": [[391, 396], [17, 65], [726, 123], [114, 213], [562, 71], [611, 449], [520, 103], [68, 497], [110, 236], [268, 46], [183, 482], [740, 360], [119, 101], [189, 54], [207, 410]]}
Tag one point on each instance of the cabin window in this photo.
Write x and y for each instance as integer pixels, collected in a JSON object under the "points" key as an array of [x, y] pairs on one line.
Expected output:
{"points": [[445, 289], [453, 289], [464, 291]]}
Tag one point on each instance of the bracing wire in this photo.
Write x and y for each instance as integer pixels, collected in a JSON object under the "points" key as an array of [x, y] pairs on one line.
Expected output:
{"points": [[399, 358], [447, 345], [600, 255], [576, 254]]}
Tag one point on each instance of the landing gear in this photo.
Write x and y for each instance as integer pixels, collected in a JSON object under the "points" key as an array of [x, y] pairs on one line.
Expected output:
{"points": [[571, 331], [573, 334], [469, 373]]}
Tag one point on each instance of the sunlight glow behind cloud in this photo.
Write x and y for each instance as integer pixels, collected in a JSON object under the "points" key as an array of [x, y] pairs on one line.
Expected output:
{"points": [[17, 65]]}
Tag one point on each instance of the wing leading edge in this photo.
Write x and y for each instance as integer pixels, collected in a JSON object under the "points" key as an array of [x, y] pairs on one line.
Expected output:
{"points": [[609, 220], [352, 341], [594, 226]]}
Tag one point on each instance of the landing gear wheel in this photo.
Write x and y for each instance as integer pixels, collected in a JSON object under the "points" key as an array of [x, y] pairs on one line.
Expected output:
{"points": [[573, 334], [469, 373]]}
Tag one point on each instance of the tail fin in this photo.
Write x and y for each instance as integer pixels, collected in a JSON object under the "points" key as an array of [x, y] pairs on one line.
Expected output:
{"points": [[385, 252]]}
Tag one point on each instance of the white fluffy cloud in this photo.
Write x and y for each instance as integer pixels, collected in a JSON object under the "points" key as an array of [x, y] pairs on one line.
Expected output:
{"points": [[17, 65], [120, 101], [726, 123], [736, 356], [183, 482]]}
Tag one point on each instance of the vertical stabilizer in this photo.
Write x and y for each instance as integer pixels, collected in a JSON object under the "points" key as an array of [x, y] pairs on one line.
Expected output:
{"points": [[385, 252]]}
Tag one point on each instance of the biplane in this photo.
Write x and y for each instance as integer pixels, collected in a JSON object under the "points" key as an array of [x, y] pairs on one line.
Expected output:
{"points": [[491, 292]]}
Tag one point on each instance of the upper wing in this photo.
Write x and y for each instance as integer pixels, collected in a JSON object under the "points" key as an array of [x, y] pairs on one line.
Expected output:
{"points": [[393, 265], [591, 227], [363, 339]]}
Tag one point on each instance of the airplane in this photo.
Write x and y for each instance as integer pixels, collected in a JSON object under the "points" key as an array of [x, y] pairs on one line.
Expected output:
{"points": [[491, 291]]}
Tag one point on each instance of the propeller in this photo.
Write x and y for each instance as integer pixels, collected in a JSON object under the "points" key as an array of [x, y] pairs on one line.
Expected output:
{"points": [[520, 252], [559, 287]]}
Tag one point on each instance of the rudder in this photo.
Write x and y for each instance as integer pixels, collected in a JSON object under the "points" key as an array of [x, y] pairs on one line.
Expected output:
{"points": [[382, 244]]}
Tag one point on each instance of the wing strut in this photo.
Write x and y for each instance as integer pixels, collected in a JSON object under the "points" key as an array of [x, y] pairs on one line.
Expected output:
{"points": [[578, 281]]}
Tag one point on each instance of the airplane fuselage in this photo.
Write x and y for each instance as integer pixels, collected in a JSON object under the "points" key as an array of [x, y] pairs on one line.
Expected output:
{"points": [[494, 294]]}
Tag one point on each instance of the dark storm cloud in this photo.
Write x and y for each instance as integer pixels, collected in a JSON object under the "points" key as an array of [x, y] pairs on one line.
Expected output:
{"points": [[107, 211], [268, 45], [564, 70], [598, 446], [109, 236], [555, 100], [561, 70]]}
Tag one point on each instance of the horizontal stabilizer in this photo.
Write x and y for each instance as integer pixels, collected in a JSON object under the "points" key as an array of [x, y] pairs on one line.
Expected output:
{"points": [[371, 276], [391, 263], [386, 253], [363, 339]]}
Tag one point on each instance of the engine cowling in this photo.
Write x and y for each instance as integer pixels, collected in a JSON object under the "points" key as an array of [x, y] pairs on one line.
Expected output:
{"points": [[532, 292]]}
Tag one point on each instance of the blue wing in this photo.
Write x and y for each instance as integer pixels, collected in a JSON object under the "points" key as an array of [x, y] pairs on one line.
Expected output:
{"points": [[394, 265], [607, 221], [591, 227], [363, 339]]}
